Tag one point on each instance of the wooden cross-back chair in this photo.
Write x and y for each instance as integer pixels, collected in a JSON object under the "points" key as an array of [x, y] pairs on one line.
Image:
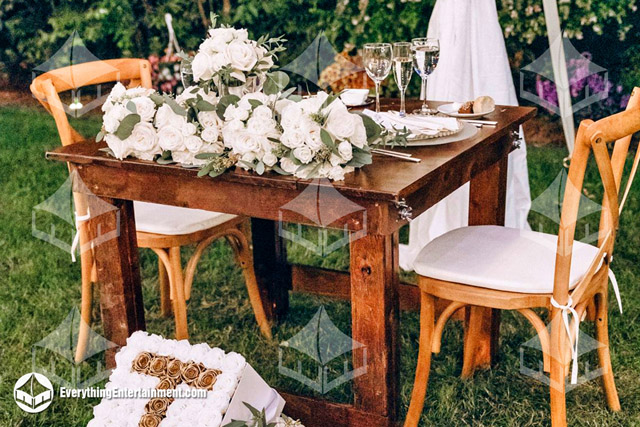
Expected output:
{"points": [[509, 269], [163, 229]]}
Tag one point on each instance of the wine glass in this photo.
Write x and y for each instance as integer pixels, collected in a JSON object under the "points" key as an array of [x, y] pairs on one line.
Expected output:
{"points": [[426, 52], [402, 70], [377, 63]]}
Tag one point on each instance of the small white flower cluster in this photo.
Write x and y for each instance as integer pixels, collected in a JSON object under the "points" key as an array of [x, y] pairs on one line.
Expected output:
{"points": [[303, 125], [250, 129], [229, 50], [185, 138], [128, 123], [201, 412]]}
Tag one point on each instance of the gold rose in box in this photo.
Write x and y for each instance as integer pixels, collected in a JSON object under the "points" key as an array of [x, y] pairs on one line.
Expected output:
{"points": [[176, 383]]}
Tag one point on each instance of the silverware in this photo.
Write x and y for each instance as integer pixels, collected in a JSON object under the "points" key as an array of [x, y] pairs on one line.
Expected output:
{"points": [[481, 122], [401, 156], [382, 150]]}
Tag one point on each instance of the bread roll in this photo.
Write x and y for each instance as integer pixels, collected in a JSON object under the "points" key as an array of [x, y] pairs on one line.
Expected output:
{"points": [[483, 104]]}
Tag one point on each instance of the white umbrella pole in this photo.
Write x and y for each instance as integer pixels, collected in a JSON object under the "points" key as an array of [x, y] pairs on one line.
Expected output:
{"points": [[559, 64]]}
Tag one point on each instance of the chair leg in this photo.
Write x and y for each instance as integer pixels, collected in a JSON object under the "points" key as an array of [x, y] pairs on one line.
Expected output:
{"points": [[558, 364], [604, 356], [244, 256], [427, 324], [86, 266], [165, 290], [177, 286]]}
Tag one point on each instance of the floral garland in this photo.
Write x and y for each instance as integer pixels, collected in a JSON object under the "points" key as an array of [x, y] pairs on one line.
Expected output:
{"points": [[269, 129]]}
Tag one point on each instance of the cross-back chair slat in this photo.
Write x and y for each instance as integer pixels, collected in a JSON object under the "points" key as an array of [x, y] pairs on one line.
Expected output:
{"points": [[593, 137]]}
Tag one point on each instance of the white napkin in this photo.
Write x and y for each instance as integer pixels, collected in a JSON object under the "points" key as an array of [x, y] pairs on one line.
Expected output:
{"points": [[425, 125]]}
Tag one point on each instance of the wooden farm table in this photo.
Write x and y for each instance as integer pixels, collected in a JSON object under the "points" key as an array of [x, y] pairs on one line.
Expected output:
{"points": [[383, 191]]}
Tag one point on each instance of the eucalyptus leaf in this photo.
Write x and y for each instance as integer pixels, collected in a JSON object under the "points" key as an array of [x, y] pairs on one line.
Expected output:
{"points": [[260, 168], [224, 102], [157, 99], [255, 102], [203, 105], [326, 139], [205, 170], [100, 136], [279, 170], [372, 128], [131, 106], [126, 126], [276, 82], [177, 108]]}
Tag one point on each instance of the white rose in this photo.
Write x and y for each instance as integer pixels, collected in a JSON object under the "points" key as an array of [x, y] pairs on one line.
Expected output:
{"points": [[209, 119], [120, 148], [288, 165], [291, 116], [233, 363], [269, 159], [217, 400], [193, 143], [292, 138], [226, 383], [359, 137], [213, 359], [166, 117], [145, 108], [236, 113], [219, 61], [241, 55], [216, 147], [304, 154], [261, 126], [346, 150], [144, 137], [170, 138], [210, 134], [199, 351], [201, 66], [118, 91], [224, 35], [262, 112], [336, 173], [183, 350], [241, 34], [341, 124], [114, 116], [188, 129]]}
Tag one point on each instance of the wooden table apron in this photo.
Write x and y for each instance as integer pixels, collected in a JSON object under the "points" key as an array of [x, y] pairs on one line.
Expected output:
{"points": [[379, 189]]}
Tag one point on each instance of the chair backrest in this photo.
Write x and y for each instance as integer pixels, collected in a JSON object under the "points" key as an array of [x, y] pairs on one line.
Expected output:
{"points": [[594, 137], [46, 87]]}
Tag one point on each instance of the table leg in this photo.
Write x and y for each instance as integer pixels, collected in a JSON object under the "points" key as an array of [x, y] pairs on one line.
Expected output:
{"points": [[487, 204], [374, 312], [113, 234], [273, 272]]}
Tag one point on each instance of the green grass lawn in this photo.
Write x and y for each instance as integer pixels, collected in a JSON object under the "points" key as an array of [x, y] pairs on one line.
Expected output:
{"points": [[39, 286]]}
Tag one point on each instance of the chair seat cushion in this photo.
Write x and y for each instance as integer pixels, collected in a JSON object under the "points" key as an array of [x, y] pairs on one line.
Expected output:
{"points": [[174, 220], [500, 258]]}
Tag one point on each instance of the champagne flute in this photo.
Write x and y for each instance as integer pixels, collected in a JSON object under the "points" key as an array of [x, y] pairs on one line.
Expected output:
{"points": [[402, 70], [426, 52], [377, 63]]}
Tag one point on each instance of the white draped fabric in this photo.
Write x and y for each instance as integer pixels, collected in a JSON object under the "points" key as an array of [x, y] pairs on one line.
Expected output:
{"points": [[473, 62]]}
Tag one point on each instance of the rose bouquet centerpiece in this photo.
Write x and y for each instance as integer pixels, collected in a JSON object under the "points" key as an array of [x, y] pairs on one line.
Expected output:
{"points": [[231, 62], [127, 123]]}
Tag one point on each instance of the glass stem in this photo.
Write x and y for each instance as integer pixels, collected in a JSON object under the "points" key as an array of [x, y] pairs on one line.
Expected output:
{"points": [[425, 106], [377, 96], [403, 111]]}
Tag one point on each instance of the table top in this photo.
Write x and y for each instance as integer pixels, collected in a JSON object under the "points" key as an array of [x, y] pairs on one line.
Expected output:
{"points": [[385, 179]]}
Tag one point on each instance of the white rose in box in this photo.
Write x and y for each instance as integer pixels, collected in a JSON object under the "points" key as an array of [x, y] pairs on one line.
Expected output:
{"points": [[181, 384]]}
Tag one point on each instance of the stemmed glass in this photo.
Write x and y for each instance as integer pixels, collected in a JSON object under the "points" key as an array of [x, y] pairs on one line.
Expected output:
{"points": [[402, 70], [426, 52], [377, 63]]}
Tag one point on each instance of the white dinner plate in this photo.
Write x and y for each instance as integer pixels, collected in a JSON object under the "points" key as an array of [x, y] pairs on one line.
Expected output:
{"points": [[468, 131], [452, 110], [366, 102]]}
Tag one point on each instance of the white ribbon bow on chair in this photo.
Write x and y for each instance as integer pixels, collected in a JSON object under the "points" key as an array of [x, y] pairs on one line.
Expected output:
{"points": [[76, 239], [566, 309]]}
